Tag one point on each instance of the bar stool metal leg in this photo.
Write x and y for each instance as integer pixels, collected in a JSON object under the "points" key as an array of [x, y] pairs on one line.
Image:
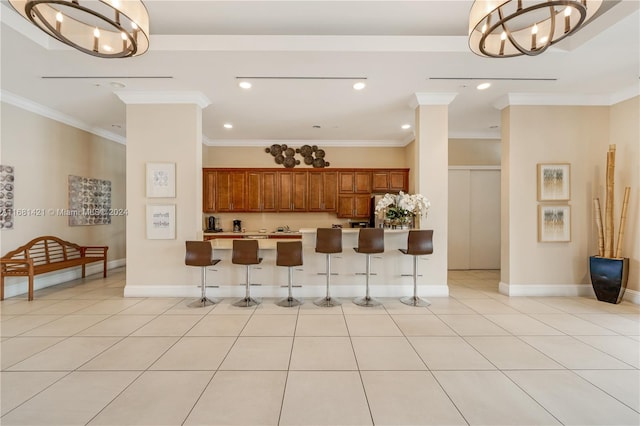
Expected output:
{"points": [[290, 301], [247, 301], [327, 301], [204, 300], [415, 300], [367, 300]]}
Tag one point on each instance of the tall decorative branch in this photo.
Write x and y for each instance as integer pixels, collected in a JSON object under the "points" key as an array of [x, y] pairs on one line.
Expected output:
{"points": [[608, 210]]}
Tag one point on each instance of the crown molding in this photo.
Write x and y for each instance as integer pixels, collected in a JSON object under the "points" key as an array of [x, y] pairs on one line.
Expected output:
{"points": [[36, 108], [566, 99], [131, 97], [432, 98], [382, 143]]}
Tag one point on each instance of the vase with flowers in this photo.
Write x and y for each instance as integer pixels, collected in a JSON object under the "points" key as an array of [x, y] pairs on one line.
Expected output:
{"points": [[401, 209]]}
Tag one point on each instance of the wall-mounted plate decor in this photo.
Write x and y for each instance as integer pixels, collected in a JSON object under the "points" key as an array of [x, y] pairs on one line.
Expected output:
{"points": [[7, 186], [89, 201]]}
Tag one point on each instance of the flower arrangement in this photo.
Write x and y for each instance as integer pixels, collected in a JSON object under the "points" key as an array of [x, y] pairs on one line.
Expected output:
{"points": [[401, 208]]}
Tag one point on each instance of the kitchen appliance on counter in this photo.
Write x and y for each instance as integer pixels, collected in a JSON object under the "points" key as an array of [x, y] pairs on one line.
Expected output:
{"points": [[213, 224], [376, 220], [237, 225], [361, 224]]}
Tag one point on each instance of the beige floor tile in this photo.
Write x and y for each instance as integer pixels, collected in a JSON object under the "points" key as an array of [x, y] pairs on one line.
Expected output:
{"points": [[523, 325], [19, 386], [321, 325], [488, 306], [309, 308], [219, 325], [324, 398], [350, 308], [74, 400], [259, 353], [472, 325], [620, 347], [571, 324], [371, 325], [66, 326], [270, 325], [396, 307], [23, 323], [527, 305], [195, 353], [168, 325], [131, 353], [422, 325], [490, 398], [269, 307], [17, 349], [67, 355], [616, 323], [153, 306], [22, 306], [408, 398], [573, 354], [225, 307], [322, 353], [511, 353], [109, 307], [386, 353], [570, 305], [155, 398], [117, 325], [65, 307], [449, 353], [573, 400], [624, 385], [240, 398], [448, 305], [183, 308], [466, 293]]}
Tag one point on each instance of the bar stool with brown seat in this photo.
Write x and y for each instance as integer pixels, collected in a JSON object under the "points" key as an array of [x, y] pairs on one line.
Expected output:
{"points": [[200, 253], [328, 241], [419, 243], [289, 254], [370, 241], [245, 252]]}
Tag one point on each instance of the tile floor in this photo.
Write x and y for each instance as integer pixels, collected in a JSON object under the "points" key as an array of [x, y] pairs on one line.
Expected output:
{"points": [[82, 354]]}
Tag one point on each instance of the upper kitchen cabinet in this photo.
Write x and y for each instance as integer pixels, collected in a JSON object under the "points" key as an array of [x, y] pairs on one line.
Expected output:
{"points": [[231, 191], [292, 191], [261, 191], [323, 187], [209, 191], [390, 180], [354, 182]]}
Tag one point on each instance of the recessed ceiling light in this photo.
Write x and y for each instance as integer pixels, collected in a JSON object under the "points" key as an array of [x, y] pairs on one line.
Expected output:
{"points": [[316, 126], [245, 85], [117, 85], [359, 85], [406, 126], [483, 86], [228, 126], [494, 127]]}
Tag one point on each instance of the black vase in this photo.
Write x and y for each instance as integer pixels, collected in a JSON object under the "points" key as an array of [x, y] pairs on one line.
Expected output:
{"points": [[609, 277]]}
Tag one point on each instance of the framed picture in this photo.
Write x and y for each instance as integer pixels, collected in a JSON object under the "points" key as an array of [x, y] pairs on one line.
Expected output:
{"points": [[554, 182], [161, 222], [554, 223], [161, 180]]}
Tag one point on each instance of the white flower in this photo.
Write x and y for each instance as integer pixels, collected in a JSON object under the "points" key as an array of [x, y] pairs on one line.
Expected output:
{"points": [[414, 205]]}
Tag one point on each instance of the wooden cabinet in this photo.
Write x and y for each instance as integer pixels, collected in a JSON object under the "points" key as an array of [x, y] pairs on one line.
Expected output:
{"points": [[230, 191], [261, 191], [292, 191], [209, 191], [354, 205], [323, 187], [358, 182], [390, 180]]}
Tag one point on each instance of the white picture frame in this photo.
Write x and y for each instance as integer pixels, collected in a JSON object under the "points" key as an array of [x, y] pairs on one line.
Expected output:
{"points": [[161, 221], [161, 180], [554, 223]]}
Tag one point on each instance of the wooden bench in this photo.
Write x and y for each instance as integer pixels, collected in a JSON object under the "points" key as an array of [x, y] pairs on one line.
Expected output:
{"points": [[48, 254]]}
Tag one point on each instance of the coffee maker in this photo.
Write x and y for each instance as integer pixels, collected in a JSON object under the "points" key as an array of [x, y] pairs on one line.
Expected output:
{"points": [[213, 224], [237, 225]]}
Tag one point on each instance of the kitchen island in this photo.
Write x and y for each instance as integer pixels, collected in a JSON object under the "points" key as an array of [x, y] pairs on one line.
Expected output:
{"points": [[391, 271]]}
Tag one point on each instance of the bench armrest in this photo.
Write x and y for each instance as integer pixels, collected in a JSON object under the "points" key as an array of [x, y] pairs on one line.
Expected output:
{"points": [[94, 251], [9, 263]]}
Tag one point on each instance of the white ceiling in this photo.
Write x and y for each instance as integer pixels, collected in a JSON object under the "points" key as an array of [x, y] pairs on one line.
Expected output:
{"points": [[400, 47]]}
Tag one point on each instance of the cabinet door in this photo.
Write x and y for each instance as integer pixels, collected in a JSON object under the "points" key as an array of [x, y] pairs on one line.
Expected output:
{"points": [[292, 191], [254, 191], [346, 182], [299, 191], [398, 180], [209, 191], [380, 181], [355, 182], [322, 191], [269, 191], [354, 206], [362, 204], [230, 191]]}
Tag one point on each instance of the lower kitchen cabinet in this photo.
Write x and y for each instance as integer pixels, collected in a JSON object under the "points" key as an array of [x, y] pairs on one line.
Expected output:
{"points": [[354, 205]]}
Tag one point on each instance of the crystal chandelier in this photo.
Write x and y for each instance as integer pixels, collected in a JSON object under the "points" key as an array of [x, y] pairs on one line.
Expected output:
{"points": [[103, 28], [507, 28]]}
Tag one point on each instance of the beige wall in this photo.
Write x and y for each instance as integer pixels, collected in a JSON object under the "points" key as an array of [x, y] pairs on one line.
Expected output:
{"points": [[44, 153], [220, 156], [474, 152], [576, 135]]}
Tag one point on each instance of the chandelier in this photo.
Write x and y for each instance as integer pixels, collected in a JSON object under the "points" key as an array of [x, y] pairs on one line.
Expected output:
{"points": [[507, 28], [103, 28]]}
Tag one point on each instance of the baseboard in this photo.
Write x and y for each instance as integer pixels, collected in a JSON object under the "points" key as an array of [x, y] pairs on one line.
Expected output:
{"points": [[632, 296], [277, 291], [15, 286], [542, 290]]}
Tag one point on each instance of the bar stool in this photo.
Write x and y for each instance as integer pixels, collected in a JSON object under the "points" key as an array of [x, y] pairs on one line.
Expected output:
{"points": [[328, 241], [419, 242], [245, 252], [200, 253], [289, 254], [370, 241]]}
